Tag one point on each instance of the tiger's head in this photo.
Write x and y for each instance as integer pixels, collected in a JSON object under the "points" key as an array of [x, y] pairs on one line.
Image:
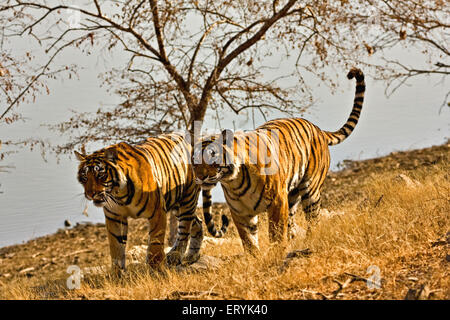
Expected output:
{"points": [[213, 160], [101, 176]]}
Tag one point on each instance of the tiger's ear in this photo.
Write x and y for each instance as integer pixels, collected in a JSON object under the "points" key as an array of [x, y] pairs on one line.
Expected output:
{"points": [[79, 156], [111, 154], [227, 137]]}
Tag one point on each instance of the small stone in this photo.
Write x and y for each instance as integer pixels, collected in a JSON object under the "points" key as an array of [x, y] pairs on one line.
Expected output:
{"points": [[325, 213], [299, 253], [26, 270], [203, 264], [137, 253], [221, 241], [410, 183]]}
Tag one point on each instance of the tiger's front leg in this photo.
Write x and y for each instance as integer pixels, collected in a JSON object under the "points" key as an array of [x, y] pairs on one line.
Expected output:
{"points": [[247, 228], [117, 228], [155, 249]]}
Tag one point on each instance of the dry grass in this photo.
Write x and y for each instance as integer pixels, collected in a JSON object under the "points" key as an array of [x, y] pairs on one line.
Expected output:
{"points": [[390, 225]]}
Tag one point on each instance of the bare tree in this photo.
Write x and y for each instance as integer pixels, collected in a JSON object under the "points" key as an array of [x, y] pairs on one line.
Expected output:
{"points": [[422, 26], [187, 56]]}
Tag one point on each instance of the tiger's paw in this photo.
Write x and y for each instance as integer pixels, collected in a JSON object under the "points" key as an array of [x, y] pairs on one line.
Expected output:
{"points": [[191, 258], [118, 268], [173, 258], [116, 273]]}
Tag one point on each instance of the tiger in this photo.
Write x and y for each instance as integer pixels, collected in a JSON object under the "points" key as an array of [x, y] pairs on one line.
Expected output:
{"points": [[290, 171], [147, 180]]}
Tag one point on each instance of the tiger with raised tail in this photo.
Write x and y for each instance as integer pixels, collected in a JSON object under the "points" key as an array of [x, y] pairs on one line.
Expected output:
{"points": [[274, 168], [146, 180]]}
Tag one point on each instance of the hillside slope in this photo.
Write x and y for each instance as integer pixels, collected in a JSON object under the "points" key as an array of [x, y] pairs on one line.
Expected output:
{"points": [[386, 217]]}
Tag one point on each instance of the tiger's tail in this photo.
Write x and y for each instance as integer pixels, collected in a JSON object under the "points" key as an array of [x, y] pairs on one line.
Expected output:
{"points": [[340, 135], [207, 208]]}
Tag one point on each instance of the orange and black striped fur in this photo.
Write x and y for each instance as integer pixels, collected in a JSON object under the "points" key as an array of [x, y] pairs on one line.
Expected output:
{"points": [[273, 169], [145, 180]]}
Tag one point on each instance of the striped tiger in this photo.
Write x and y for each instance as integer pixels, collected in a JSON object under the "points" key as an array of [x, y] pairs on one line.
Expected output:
{"points": [[274, 168], [146, 180]]}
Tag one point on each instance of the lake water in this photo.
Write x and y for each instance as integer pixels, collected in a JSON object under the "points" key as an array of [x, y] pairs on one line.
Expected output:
{"points": [[38, 196]]}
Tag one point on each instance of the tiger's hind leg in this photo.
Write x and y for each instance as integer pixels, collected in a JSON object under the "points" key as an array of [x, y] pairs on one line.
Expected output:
{"points": [[311, 207], [195, 242], [293, 229], [294, 199], [313, 181], [278, 219]]}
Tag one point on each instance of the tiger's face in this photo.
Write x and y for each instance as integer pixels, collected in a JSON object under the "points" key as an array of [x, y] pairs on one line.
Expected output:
{"points": [[212, 161], [100, 177]]}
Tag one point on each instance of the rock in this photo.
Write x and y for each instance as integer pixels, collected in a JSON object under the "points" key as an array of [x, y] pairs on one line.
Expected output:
{"points": [[137, 253], [304, 253], [84, 224], [205, 263], [410, 183], [220, 241], [413, 279], [299, 253], [328, 214], [297, 232], [96, 270], [67, 223], [26, 270]]}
